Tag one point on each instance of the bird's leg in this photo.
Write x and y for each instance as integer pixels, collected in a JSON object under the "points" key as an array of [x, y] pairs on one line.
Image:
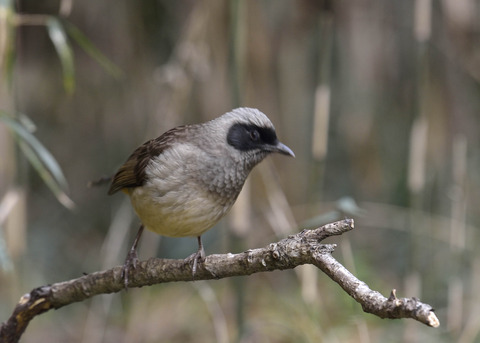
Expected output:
{"points": [[132, 257], [199, 256]]}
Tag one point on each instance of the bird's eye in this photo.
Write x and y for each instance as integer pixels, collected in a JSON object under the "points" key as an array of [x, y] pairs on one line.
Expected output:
{"points": [[254, 135]]}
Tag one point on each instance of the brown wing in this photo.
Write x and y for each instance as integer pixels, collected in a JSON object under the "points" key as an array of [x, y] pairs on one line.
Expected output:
{"points": [[132, 172]]}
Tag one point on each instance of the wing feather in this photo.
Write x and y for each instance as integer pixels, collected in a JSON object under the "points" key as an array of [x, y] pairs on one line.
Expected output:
{"points": [[133, 172]]}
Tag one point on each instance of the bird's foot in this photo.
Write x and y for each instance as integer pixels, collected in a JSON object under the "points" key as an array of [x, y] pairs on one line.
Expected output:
{"points": [[130, 263], [197, 257]]}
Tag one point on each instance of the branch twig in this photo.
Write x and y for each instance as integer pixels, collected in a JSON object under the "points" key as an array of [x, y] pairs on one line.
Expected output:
{"points": [[302, 248]]}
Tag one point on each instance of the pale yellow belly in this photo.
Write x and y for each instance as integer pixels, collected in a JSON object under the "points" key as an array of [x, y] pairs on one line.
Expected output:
{"points": [[177, 214]]}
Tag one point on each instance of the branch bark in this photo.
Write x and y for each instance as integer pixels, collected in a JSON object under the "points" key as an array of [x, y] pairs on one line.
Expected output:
{"points": [[295, 250]]}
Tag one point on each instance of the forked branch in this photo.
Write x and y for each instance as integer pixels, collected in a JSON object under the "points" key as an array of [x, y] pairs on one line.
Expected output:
{"points": [[295, 250]]}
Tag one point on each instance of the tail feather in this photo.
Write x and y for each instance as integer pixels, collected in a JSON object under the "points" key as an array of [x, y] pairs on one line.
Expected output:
{"points": [[99, 182]]}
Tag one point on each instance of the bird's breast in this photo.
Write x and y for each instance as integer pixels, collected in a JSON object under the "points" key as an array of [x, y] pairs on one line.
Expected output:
{"points": [[185, 199]]}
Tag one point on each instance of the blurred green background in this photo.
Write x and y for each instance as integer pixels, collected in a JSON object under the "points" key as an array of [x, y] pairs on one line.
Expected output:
{"points": [[378, 99]]}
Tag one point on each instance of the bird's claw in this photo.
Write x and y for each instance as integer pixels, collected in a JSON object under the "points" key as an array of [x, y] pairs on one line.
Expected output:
{"points": [[130, 263], [197, 257]]}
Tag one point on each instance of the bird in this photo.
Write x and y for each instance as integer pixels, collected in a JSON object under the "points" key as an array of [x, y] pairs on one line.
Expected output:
{"points": [[183, 182]]}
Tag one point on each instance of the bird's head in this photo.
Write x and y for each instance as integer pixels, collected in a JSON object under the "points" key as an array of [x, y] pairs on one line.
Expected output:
{"points": [[250, 135]]}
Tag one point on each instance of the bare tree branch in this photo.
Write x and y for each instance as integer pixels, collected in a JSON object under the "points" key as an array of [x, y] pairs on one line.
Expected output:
{"points": [[302, 248]]}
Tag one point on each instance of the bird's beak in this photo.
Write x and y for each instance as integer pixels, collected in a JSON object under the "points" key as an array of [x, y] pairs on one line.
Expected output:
{"points": [[283, 149]]}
